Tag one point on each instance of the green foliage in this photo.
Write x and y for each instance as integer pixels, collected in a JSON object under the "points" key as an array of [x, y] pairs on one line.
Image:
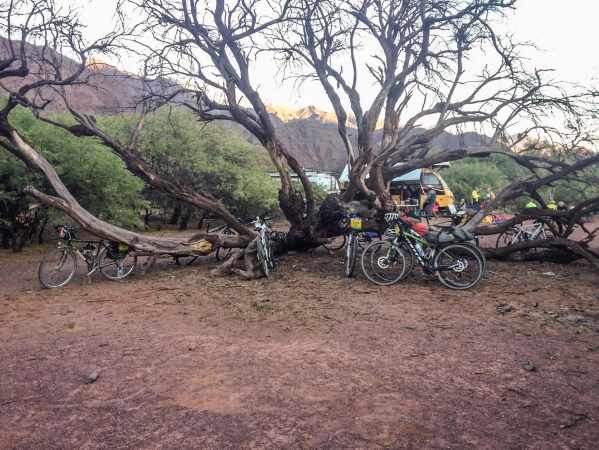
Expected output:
{"points": [[97, 178], [464, 176], [497, 172], [209, 158]]}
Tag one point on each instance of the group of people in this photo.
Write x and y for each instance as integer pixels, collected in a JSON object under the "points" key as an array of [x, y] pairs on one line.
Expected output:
{"points": [[476, 197]]}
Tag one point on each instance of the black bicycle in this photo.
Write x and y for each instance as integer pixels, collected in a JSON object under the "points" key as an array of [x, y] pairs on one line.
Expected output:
{"points": [[446, 254], [58, 267]]}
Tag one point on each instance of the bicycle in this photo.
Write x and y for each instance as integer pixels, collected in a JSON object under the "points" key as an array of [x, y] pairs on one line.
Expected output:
{"points": [[264, 248], [112, 259], [520, 233], [457, 264]]}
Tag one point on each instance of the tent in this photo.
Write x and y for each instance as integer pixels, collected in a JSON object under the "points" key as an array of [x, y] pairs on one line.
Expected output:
{"points": [[412, 177]]}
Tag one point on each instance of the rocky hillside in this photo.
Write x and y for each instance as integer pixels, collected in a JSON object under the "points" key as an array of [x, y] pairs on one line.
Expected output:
{"points": [[310, 134], [313, 137]]}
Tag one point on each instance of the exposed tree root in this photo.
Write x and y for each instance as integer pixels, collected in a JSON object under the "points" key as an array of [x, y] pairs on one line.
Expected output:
{"points": [[557, 250]]}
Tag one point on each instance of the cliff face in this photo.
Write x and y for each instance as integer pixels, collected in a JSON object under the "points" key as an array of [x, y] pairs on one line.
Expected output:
{"points": [[310, 134]]}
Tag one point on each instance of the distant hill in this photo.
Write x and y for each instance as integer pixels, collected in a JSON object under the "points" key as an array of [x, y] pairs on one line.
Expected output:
{"points": [[313, 137], [310, 134]]}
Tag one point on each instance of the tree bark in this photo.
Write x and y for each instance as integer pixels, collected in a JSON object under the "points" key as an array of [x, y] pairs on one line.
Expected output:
{"points": [[174, 220]]}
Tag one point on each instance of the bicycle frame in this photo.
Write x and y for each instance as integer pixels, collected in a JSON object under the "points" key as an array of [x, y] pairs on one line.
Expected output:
{"points": [[411, 238], [264, 231], [92, 262], [524, 234]]}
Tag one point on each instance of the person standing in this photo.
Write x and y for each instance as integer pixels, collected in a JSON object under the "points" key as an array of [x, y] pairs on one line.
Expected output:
{"points": [[429, 204], [475, 197]]}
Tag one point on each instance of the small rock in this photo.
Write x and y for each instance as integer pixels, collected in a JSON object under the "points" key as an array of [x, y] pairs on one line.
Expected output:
{"points": [[573, 318], [535, 305], [549, 274], [92, 377], [528, 366], [504, 308]]}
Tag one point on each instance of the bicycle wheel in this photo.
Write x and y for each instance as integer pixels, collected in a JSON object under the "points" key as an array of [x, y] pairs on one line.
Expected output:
{"points": [[350, 255], [222, 252], [268, 251], [336, 243], [459, 266], [506, 238], [384, 263], [57, 268], [116, 266], [263, 259]]}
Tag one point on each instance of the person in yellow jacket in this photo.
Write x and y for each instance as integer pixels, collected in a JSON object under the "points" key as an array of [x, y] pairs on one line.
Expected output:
{"points": [[475, 197]]}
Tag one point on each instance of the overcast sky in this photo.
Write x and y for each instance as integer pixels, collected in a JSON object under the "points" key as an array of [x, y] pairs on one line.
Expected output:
{"points": [[565, 30]]}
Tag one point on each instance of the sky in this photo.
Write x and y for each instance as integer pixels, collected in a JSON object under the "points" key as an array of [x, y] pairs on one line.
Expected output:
{"points": [[565, 31]]}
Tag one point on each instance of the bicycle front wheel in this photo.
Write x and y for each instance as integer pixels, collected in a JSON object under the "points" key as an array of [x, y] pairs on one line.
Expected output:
{"points": [[350, 255], [116, 266], [459, 266], [263, 259], [384, 263], [57, 268]]}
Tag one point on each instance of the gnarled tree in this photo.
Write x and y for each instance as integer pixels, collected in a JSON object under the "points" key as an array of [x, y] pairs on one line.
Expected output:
{"points": [[424, 57]]}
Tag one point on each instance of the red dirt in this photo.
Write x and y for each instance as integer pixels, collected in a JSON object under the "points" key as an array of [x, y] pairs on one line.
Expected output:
{"points": [[307, 360]]}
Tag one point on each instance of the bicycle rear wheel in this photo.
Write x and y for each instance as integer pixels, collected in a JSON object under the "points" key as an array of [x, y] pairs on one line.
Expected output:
{"points": [[505, 238], [116, 266], [57, 268], [384, 264], [459, 266], [350, 255], [222, 252]]}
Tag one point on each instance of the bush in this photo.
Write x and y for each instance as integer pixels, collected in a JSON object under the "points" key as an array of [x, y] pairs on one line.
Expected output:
{"points": [[97, 178], [206, 157]]}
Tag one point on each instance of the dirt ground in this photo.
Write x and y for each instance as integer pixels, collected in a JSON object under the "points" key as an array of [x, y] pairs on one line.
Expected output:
{"points": [[306, 360]]}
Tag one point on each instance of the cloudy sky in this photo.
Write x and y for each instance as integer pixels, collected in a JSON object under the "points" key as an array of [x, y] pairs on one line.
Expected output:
{"points": [[566, 31]]}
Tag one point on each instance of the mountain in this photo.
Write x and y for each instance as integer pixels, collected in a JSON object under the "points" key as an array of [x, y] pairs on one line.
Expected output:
{"points": [[310, 134]]}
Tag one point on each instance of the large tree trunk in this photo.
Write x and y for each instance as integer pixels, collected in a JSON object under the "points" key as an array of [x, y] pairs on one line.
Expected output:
{"points": [[6, 238], [184, 221], [174, 220]]}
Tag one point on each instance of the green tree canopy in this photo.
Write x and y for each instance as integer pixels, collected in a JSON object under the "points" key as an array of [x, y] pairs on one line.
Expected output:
{"points": [[96, 177], [208, 157]]}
